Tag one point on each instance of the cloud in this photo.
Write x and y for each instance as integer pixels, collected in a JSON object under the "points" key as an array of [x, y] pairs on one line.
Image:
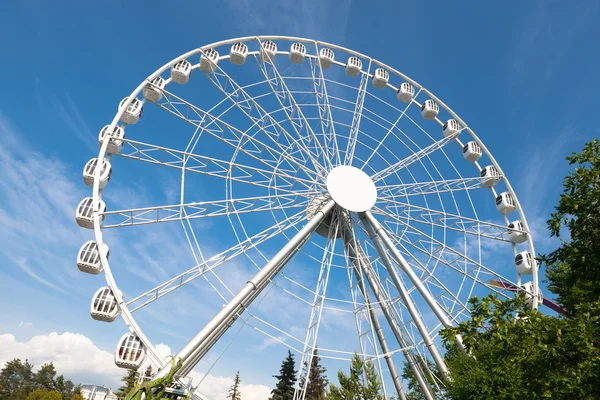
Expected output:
{"points": [[216, 387], [25, 324], [73, 355]]}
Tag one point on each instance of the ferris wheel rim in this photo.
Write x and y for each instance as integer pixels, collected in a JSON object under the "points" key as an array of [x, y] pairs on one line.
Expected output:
{"points": [[97, 192]]}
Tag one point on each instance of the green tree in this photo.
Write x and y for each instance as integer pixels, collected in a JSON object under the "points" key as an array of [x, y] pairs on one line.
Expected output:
{"points": [[65, 387], [362, 383], [234, 390], [573, 270], [77, 396], [16, 380], [413, 391], [45, 377], [286, 380], [129, 380], [43, 394], [523, 354], [317, 381]]}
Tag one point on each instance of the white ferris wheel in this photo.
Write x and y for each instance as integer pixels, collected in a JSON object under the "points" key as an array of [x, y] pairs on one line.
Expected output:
{"points": [[341, 181]]}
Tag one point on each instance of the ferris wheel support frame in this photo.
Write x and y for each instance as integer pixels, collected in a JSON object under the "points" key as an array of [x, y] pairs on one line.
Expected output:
{"points": [[361, 264], [202, 340], [435, 354]]}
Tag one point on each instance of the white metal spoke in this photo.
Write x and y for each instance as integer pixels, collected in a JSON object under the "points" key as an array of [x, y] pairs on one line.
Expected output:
{"points": [[230, 134], [292, 110], [314, 321], [405, 162], [358, 110], [257, 115], [214, 262], [205, 209], [211, 166], [424, 215], [448, 256], [387, 192], [322, 98]]}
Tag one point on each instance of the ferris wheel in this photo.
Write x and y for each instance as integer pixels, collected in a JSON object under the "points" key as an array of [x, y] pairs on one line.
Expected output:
{"points": [[340, 181]]}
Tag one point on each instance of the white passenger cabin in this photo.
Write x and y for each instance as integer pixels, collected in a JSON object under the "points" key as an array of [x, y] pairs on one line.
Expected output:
{"points": [[115, 143], [405, 92], [132, 114], [353, 66], [267, 51], [326, 57], [528, 289], [180, 72], [238, 53], [451, 128], [472, 151], [154, 89], [130, 352], [429, 109], [209, 61], [380, 78], [516, 232], [524, 263], [505, 203], [85, 212], [104, 305], [489, 176], [297, 53], [89, 172], [88, 258]]}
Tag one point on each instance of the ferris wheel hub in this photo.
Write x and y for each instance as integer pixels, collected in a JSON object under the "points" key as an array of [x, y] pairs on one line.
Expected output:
{"points": [[351, 188]]}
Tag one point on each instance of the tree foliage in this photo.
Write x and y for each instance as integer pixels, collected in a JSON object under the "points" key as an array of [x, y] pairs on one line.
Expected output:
{"points": [[317, 381], [130, 381], [16, 380], [286, 380], [361, 384], [573, 270], [413, 391], [19, 382], [43, 394], [234, 390]]}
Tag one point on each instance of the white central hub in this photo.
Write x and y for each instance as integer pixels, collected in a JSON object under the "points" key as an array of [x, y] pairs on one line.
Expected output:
{"points": [[351, 188]]}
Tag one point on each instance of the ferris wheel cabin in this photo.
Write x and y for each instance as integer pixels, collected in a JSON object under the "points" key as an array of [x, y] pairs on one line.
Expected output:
{"points": [[85, 212], [115, 143], [154, 89], [89, 173], [88, 258], [180, 72], [515, 232], [380, 78], [430, 109], [104, 305], [130, 352], [472, 151], [132, 114], [209, 61], [326, 57], [238, 53], [405, 92], [524, 263], [528, 289], [451, 128], [489, 176], [297, 53], [268, 50], [505, 203], [353, 66]]}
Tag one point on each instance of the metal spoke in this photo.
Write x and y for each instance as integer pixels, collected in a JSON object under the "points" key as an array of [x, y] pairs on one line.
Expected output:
{"points": [[214, 262], [410, 212], [211, 166], [414, 157], [204, 209], [387, 192], [358, 110], [289, 105], [241, 141], [322, 98], [256, 114]]}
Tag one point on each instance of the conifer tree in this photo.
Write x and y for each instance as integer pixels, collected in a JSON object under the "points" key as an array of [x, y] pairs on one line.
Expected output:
{"points": [[362, 383], [317, 381], [130, 381], [286, 380], [234, 390]]}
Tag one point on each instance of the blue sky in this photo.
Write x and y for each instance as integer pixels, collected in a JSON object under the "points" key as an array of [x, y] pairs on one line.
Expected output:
{"points": [[520, 74]]}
